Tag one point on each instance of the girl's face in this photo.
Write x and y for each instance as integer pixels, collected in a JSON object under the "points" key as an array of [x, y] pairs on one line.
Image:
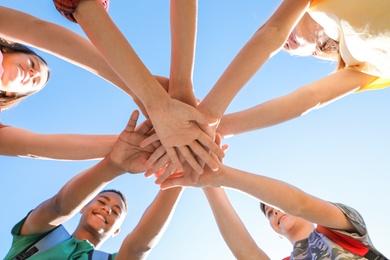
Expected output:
{"points": [[303, 39], [23, 73]]}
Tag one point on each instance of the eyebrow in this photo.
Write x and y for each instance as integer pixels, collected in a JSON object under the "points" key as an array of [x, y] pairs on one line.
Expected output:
{"points": [[267, 209], [37, 62], [116, 205]]}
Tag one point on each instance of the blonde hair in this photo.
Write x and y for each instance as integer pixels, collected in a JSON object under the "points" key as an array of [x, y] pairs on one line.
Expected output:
{"points": [[329, 49]]}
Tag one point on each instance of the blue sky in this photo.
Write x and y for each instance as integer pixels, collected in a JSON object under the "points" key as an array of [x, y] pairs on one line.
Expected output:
{"points": [[338, 153]]}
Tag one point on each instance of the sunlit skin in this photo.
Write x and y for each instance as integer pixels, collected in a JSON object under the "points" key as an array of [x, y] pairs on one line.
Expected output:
{"points": [[23, 73], [303, 39], [291, 227], [101, 218]]}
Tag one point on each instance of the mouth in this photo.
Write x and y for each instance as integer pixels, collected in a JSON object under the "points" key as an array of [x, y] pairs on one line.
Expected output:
{"points": [[101, 217], [291, 43], [281, 218]]}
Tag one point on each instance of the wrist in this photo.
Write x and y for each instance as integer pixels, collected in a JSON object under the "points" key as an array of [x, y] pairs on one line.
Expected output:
{"points": [[157, 103], [113, 169], [220, 177], [208, 112]]}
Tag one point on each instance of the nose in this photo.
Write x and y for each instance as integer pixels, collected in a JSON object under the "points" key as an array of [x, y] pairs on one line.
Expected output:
{"points": [[107, 209], [33, 73]]}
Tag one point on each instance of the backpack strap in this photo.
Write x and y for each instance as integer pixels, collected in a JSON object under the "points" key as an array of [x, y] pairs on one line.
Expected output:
{"points": [[56, 236], [99, 255], [350, 244]]}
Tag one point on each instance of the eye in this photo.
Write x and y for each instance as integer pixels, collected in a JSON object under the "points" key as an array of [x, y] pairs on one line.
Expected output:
{"points": [[32, 64], [269, 213], [101, 202]]}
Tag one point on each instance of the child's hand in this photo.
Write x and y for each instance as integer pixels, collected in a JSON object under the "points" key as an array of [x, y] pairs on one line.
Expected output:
{"points": [[127, 153]]}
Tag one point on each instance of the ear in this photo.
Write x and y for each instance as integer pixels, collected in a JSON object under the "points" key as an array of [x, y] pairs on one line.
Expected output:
{"points": [[82, 210], [10, 94], [116, 232]]}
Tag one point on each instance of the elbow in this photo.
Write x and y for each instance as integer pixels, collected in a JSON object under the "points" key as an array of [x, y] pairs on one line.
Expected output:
{"points": [[56, 205], [300, 205], [136, 248], [140, 252]]}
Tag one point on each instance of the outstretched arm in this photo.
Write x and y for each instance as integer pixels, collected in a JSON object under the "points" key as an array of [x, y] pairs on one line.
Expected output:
{"points": [[231, 227], [266, 42], [282, 195], [183, 16], [172, 119], [63, 43], [126, 156], [295, 104], [183, 37], [19, 142], [150, 228]]}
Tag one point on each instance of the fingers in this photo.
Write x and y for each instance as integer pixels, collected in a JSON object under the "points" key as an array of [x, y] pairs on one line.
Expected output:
{"points": [[144, 128], [204, 156], [161, 162], [149, 140], [174, 158], [132, 122], [190, 158], [175, 181], [207, 142], [195, 177], [161, 177], [157, 156]]}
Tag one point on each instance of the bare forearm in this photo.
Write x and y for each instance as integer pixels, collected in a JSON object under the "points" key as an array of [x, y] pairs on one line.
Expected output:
{"points": [[265, 43], [268, 190], [58, 41], [183, 37], [264, 115], [78, 191], [151, 226], [311, 96], [286, 197], [238, 73], [20, 142], [71, 198], [231, 227], [122, 58]]}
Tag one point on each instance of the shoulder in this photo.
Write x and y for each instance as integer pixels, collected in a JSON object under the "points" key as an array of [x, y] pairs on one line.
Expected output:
{"points": [[355, 218]]}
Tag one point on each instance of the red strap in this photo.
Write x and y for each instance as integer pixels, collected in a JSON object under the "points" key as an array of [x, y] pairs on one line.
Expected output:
{"points": [[346, 242]]}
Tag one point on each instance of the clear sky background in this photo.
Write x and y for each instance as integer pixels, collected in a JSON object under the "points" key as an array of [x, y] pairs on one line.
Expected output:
{"points": [[339, 153]]}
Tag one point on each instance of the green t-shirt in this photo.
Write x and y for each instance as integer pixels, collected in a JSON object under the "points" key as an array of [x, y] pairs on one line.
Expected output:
{"points": [[69, 249]]}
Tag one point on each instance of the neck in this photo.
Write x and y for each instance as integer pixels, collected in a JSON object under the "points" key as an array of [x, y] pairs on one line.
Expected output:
{"points": [[300, 233], [83, 234]]}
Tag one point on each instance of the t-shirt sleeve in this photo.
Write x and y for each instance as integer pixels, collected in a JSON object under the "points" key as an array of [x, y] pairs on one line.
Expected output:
{"points": [[356, 220], [19, 243]]}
